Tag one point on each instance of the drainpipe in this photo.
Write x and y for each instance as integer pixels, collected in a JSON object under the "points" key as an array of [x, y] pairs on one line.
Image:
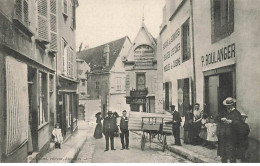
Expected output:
{"points": [[193, 58]]}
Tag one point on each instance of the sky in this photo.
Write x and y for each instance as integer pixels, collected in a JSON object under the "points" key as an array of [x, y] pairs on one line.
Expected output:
{"points": [[102, 21]]}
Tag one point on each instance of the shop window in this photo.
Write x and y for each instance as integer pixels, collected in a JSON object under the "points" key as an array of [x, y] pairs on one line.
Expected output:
{"points": [[186, 41], [222, 19], [118, 84], [97, 85], [168, 95], [140, 81], [16, 114], [43, 105]]}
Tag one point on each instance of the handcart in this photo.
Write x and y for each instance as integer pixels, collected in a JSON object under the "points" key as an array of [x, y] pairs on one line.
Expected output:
{"points": [[152, 126]]}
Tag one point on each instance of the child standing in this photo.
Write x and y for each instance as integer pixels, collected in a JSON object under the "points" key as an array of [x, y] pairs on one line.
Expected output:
{"points": [[211, 133], [58, 139], [203, 132]]}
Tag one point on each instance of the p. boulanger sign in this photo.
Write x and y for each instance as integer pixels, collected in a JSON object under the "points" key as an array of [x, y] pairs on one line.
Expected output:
{"points": [[222, 54]]}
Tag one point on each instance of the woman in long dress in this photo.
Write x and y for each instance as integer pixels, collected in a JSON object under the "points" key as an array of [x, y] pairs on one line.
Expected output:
{"points": [[196, 127], [188, 126], [98, 129]]}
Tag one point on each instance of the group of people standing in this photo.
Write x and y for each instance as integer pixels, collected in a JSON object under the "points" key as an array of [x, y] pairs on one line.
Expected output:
{"points": [[228, 130], [111, 126]]}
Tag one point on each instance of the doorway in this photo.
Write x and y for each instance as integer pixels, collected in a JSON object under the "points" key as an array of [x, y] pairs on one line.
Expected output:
{"points": [[218, 88]]}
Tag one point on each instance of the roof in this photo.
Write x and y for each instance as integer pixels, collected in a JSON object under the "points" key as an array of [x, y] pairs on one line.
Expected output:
{"points": [[95, 56]]}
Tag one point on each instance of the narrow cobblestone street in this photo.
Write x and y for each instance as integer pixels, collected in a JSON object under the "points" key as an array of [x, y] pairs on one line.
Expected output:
{"points": [[93, 151]]}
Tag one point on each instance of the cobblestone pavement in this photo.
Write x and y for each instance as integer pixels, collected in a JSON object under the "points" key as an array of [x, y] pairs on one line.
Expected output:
{"points": [[93, 151]]}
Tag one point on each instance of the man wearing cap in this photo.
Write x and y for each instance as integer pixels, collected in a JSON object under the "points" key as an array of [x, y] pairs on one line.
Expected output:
{"points": [[176, 123], [229, 121], [109, 127], [243, 139], [124, 132]]}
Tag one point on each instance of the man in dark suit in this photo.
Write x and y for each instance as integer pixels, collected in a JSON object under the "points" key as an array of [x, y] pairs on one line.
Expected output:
{"points": [[109, 127], [176, 123], [124, 132]]}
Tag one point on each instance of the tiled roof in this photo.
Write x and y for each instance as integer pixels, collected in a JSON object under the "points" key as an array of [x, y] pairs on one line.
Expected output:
{"points": [[95, 56]]}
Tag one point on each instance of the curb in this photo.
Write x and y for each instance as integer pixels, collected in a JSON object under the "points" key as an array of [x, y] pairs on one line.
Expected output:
{"points": [[72, 154], [190, 155]]}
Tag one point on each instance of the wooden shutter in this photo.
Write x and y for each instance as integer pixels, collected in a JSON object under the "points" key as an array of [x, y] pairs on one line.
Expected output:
{"points": [[19, 9], [42, 20], [17, 105], [65, 59], [65, 7], [53, 25], [26, 12], [71, 62]]}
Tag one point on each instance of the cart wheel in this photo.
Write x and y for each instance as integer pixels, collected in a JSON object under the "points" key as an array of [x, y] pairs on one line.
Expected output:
{"points": [[143, 142], [164, 143]]}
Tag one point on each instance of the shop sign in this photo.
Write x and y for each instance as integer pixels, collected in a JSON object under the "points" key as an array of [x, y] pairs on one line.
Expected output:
{"points": [[172, 65], [135, 100], [144, 52], [223, 54], [138, 92]]}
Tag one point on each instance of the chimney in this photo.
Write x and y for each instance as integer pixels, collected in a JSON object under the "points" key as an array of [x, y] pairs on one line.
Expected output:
{"points": [[106, 54]]}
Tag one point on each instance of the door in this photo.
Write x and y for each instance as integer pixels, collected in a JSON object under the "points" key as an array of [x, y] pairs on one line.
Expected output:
{"points": [[225, 88], [213, 97]]}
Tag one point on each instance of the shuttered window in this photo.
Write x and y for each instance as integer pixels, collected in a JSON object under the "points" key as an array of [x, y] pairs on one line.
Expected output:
{"points": [[43, 33], [222, 19], [186, 54], [22, 11], [17, 105], [53, 25], [64, 52]]}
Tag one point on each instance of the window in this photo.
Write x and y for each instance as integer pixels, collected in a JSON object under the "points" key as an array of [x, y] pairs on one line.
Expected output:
{"points": [[186, 41], [118, 84], [65, 7], [68, 58], [222, 19], [64, 51], [22, 12], [140, 81], [43, 108], [97, 85], [43, 32], [168, 95]]}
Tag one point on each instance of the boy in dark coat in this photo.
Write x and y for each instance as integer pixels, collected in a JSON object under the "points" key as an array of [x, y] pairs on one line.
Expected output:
{"points": [[109, 128], [243, 139]]}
